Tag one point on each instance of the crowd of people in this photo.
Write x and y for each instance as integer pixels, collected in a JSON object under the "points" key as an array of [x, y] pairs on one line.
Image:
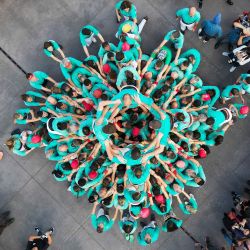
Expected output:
{"points": [[127, 129], [237, 223]]}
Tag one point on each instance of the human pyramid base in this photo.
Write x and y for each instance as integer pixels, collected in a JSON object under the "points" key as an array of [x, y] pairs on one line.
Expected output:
{"points": [[126, 129]]}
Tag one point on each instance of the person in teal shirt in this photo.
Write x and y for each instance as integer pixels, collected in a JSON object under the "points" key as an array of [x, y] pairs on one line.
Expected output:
{"points": [[194, 56], [32, 98], [51, 47], [127, 225], [230, 92], [189, 18], [24, 116], [244, 82], [87, 36], [171, 223], [101, 221], [149, 233], [138, 174], [188, 207], [127, 10]]}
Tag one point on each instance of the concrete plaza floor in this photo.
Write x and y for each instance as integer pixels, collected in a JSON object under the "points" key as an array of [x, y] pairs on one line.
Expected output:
{"points": [[27, 187]]}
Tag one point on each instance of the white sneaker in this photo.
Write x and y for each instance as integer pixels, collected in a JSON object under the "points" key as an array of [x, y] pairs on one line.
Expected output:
{"points": [[232, 69], [200, 37], [224, 53], [204, 41]]}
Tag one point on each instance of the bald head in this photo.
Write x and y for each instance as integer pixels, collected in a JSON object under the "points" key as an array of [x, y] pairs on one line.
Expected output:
{"points": [[192, 11]]}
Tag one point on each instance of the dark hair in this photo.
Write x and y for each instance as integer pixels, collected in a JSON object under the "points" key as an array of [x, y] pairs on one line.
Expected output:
{"points": [[81, 182], [89, 146], [235, 91], [129, 74], [156, 190], [219, 140], [171, 226], [109, 128], [184, 145], [110, 54], [136, 196], [137, 171], [86, 82], [119, 56], [92, 198], [185, 63], [104, 97], [57, 173], [62, 125], [197, 103], [176, 34], [159, 63], [125, 5], [155, 124], [165, 88], [47, 44], [133, 117], [91, 63], [28, 75], [105, 44], [127, 228], [148, 241], [174, 137], [106, 181], [135, 153], [120, 188], [24, 97], [180, 116], [154, 160], [196, 135], [59, 105], [211, 92], [200, 182], [94, 166], [163, 208], [210, 121], [157, 94], [86, 32], [99, 229]]}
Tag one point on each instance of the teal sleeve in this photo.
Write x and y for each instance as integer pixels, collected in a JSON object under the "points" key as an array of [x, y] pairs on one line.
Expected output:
{"points": [[55, 44], [93, 221], [92, 28], [179, 12], [118, 5], [75, 61]]}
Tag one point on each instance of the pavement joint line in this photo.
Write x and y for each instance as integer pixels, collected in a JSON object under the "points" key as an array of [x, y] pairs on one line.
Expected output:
{"points": [[13, 61]]}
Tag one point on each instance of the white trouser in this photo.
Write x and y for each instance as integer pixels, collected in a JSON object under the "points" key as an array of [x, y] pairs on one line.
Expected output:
{"points": [[151, 224], [90, 39], [185, 26]]}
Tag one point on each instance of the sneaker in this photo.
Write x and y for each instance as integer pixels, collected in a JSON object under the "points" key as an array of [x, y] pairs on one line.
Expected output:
{"points": [[200, 5], [217, 45], [248, 182], [233, 193], [224, 53], [223, 230], [37, 229], [247, 190], [199, 31], [146, 18], [230, 2], [51, 230], [200, 37], [232, 69], [204, 41]]}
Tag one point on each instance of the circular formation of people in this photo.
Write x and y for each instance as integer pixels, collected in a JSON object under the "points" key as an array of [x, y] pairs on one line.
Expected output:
{"points": [[127, 129]]}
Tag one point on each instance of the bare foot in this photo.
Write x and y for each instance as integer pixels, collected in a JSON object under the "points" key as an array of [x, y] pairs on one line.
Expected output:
{"points": [[1, 155]]}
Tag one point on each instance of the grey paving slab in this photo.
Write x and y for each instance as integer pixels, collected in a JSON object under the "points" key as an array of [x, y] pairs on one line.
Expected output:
{"points": [[77, 207], [81, 240], [34, 206], [10, 172]]}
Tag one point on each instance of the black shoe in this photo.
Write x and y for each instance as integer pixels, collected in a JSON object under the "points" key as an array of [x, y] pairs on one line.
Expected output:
{"points": [[248, 182], [233, 193], [217, 45], [230, 47], [223, 230], [230, 2], [51, 230], [247, 190], [142, 224], [146, 18], [200, 5]]}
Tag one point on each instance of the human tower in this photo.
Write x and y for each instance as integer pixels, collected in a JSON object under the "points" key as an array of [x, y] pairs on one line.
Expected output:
{"points": [[126, 129]]}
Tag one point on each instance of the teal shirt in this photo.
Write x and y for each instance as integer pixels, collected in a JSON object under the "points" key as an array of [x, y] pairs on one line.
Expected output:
{"points": [[142, 179], [101, 220], [93, 30], [186, 18], [131, 13], [178, 42], [192, 202], [197, 57], [24, 112], [34, 95], [176, 221], [226, 93], [122, 75], [153, 232], [68, 72], [41, 77], [102, 51], [134, 28]]}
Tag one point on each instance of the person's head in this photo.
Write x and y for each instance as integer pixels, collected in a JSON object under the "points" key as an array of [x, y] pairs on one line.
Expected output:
{"points": [[148, 239], [174, 137], [57, 173], [120, 188], [148, 75], [180, 117], [86, 130], [219, 139], [30, 77], [99, 228], [157, 95], [137, 171], [156, 190], [10, 143], [93, 197], [197, 103], [158, 64], [86, 32], [106, 46], [134, 117], [210, 121], [192, 11], [199, 181], [162, 208], [109, 128], [184, 65], [89, 146], [154, 124], [235, 92], [66, 63], [126, 6], [119, 56], [154, 160], [190, 209], [175, 34], [174, 105], [136, 196], [135, 153], [196, 135], [26, 98], [202, 117], [185, 146], [194, 80], [62, 105], [82, 182], [186, 100], [171, 226], [129, 74], [185, 89], [48, 46], [63, 148], [165, 89], [127, 228], [127, 100], [41, 114], [62, 125]]}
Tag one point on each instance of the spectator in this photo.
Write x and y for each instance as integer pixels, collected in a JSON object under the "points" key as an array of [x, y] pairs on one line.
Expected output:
{"points": [[41, 241], [210, 29], [238, 57], [189, 18], [5, 220]]}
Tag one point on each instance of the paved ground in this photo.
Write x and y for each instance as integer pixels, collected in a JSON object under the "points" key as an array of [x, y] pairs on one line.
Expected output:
{"points": [[27, 187]]}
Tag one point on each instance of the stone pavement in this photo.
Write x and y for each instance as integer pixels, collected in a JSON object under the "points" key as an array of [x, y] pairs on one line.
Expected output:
{"points": [[26, 185]]}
